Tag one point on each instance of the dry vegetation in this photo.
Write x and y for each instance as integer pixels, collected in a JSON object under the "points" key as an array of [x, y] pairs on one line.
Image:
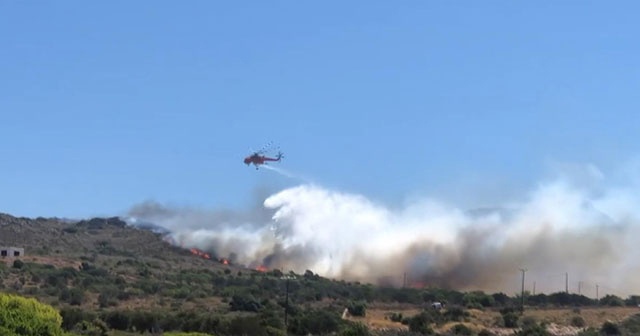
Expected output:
{"points": [[558, 319], [103, 266]]}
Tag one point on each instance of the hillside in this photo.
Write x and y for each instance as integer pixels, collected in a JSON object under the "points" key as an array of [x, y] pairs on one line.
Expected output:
{"points": [[72, 240], [103, 274], [105, 246]]}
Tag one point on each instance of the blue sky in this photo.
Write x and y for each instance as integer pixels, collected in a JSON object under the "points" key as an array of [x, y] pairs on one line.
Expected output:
{"points": [[107, 104]]}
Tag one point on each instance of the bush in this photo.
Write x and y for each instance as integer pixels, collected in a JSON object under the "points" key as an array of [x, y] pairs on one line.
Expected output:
{"points": [[28, 317], [533, 330], [528, 321], [421, 324], [631, 325], [509, 317], [355, 329], [589, 332], [119, 320], [477, 300], [510, 320], [73, 296], [244, 303], [6, 332], [245, 325], [578, 321], [396, 317], [72, 316], [456, 313], [18, 264], [461, 329], [610, 328], [315, 322], [357, 309], [612, 301], [95, 328]]}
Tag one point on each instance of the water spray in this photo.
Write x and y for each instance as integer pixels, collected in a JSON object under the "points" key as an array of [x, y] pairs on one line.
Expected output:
{"points": [[286, 173]]}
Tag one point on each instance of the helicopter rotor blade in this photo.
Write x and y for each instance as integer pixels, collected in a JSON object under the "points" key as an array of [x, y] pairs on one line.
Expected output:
{"points": [[265, 148]]}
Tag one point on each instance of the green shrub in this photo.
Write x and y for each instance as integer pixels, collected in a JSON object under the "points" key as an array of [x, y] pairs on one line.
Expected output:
{"points": [[317, 321], [578, 321], [455, 313], [355, 329], [396, 317], [421, 323], [533, 330], [589, 332], [610, 329], [510, 320], [245, 325], [528, 321], [73, 296], [28, 317], [357, 308], [244, 303], [461, 329], [18, 264], [96, 327], [631, 325], [612, 301], [72, 316]]}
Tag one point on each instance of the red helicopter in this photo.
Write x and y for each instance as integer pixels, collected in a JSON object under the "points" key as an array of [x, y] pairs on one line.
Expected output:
{"points": [[258, 158]]}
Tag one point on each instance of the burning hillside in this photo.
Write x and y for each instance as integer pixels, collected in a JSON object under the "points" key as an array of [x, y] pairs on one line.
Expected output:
{"points": [[200, 253], [224, 261], [205, 255], [560, 227]]}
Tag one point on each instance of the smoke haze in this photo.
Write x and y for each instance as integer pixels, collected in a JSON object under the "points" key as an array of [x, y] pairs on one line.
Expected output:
{"points": [[563, 226]]}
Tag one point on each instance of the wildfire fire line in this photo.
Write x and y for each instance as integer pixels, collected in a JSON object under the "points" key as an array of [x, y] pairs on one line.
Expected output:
{"points": [[224, 261], [200, 253]]}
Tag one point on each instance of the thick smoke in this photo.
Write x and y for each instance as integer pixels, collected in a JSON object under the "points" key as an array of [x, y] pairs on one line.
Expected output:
{"points": [[560, 228]]}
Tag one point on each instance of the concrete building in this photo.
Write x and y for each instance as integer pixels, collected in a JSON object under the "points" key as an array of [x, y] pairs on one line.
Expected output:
{"points": [[11, 251]]}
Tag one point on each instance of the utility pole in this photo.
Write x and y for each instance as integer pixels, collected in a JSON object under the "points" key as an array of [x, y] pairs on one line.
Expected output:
{"points": [[579, 287], [566, 282], [286, 302], [522, 292], [534, 288], [597, 296], [404, 281]]}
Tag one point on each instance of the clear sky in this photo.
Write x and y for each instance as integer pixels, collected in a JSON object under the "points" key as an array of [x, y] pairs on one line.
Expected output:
{"points": [[107, 104]]}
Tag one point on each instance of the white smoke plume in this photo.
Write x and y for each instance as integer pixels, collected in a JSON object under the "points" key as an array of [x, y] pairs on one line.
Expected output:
{"points": [[588, 232]]}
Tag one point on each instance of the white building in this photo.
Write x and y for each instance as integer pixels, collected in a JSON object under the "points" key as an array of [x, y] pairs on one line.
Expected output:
{"points": [[11, 251]]}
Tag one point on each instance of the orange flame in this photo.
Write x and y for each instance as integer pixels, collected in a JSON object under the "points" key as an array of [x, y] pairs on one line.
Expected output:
{"points": [[224, 261], [202, 254], [261, 268]]}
